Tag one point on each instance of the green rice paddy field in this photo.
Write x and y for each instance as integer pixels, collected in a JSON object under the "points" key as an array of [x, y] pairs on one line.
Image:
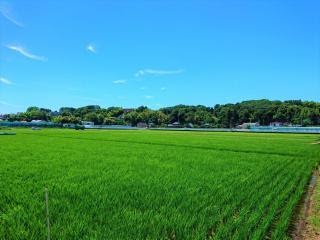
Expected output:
{"points": [[152, 184]]}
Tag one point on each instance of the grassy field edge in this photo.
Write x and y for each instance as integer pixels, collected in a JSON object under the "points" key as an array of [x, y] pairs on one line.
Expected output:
{"points": [[306, 220]]}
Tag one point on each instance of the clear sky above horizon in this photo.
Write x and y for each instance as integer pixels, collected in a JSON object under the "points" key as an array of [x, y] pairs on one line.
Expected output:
{"points": [[129, 53]]}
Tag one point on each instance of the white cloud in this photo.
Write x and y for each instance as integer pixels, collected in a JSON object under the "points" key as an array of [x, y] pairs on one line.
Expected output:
{"points": [[163, 88], [121, 81], [5, 81], [155, 72], [148, 97], [26, 53], [91, 48], [5, 11], [4, 103]]}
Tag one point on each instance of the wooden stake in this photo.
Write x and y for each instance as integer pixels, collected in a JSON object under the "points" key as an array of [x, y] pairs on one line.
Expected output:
{"points": [[47, 212]]}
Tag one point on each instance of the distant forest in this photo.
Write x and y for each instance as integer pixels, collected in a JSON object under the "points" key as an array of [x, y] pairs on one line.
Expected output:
{"points": [[264, 112]]}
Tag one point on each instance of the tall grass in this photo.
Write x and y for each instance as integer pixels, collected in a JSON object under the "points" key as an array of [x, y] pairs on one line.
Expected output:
{"points": [[152, 185]]}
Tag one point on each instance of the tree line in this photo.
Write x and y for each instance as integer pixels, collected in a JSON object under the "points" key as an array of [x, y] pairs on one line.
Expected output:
{"points": [[264, 112]]}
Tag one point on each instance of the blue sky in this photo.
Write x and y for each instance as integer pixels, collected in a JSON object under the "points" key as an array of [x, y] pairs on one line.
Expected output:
{"points": [[157, 53]]}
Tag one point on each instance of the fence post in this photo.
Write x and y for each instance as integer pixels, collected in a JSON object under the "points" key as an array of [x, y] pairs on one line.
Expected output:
{"points": [[47, 213]]}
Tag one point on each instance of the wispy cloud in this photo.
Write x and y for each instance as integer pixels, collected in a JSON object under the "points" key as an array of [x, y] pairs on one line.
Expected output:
{"points": [[26, 53], [163, 88], [156, 72], [5, 11], [4, 103], [5, 81], [148, 97], [121, 81], [91, 48]]}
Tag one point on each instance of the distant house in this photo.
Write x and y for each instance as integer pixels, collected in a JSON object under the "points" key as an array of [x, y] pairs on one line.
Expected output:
{"points": [[174, 125], [87, 123], [276, 124], [206, 125], [142, 125], [249, 125], [38, 121], [69, 125]]}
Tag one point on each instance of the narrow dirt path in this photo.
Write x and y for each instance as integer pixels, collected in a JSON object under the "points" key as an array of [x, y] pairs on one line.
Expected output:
{"points": [[308, 224]]}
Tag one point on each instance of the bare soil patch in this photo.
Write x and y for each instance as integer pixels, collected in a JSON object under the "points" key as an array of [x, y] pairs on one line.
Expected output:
{"points": [[306, 227]]}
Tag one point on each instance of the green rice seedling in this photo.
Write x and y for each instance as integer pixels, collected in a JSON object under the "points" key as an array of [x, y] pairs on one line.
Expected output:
{"points": [[120, 184]]}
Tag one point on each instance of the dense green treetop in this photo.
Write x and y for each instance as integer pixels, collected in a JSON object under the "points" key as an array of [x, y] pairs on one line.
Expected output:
{"points": [[264, 112]]}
